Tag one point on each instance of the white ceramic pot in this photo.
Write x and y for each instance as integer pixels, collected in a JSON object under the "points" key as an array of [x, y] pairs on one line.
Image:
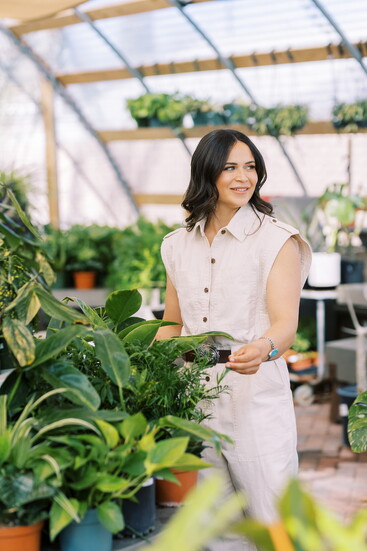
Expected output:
{"points": [[325, 270]]}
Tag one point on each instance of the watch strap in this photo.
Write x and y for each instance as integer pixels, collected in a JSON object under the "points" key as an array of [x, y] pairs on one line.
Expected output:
{"points": [[274, 350]]}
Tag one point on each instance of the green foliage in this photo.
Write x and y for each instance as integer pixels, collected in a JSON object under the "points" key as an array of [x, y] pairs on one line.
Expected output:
{"points": [[332, 223], [88, 247], [306, 335], [30, 470], [279, 120], [357, 424], [137, 262], [303, 524], [350, 116], [151, 109]]}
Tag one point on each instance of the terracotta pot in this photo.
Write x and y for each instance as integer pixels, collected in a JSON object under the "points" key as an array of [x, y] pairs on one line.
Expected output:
{"points": [[169, 494], [21, 538], [84, 280]]}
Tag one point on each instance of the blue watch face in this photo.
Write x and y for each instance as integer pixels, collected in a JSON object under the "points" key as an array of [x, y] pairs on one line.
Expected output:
{"points": [[273, 353]]}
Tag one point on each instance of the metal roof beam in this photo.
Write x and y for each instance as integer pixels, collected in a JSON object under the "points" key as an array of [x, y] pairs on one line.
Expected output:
{"points": [[276, 57], [352, 49], [134, 72], [229, 65], [60, 90]]}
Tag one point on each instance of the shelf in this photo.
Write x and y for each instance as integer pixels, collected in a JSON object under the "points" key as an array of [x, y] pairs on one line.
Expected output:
{"points": [[240, 61], [166, 133]]}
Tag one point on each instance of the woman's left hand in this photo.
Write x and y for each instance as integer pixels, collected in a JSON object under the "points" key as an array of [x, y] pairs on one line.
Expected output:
{"points": [[246, 360]]}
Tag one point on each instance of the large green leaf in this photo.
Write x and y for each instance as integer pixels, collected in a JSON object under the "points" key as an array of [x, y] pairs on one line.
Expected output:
{"points": [[166, 453], [207, 517], [202, 433], [109, 483], [110, 515], [22, 215], [357, 424], [122, 304], [190, 462], [45, 269], [145, 332], [54, 345], [62, 512], [109, 432], [133, 426], [20, 340], [63, 375], [56, 309], [5, 446], [91, 314], [113, 356]]}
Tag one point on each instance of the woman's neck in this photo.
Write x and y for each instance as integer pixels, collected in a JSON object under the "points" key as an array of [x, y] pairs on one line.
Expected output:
{"points": [[219, 219]]}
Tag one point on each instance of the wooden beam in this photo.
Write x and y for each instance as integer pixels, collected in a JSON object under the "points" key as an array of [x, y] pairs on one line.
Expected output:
{"points": [[157, 199], [68, 17], [281, 57], [47, 104], [164, 133]]}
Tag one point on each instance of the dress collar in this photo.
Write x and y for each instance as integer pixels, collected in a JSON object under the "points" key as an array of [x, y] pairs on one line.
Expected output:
{"points": [[246, 220]]}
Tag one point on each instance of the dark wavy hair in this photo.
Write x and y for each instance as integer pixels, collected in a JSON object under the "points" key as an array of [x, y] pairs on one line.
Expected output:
{"points": [[207, 163]]}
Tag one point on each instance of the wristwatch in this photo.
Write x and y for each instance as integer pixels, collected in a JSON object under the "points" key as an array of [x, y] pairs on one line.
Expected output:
{"points": [[274, 350]]}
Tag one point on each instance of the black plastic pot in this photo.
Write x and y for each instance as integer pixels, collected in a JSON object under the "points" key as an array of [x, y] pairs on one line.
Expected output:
{"points": [[352, 271], [140, 516]]}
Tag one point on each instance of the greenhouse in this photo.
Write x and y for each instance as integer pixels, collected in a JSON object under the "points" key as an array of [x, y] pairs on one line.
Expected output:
{"points": [[171, 173]]}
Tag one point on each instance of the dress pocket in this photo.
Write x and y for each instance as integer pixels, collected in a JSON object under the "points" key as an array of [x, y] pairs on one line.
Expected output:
{"points": [[272, 376]]}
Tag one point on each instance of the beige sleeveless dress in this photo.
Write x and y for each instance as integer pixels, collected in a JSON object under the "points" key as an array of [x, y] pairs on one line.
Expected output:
{"points": [[222, 287]]}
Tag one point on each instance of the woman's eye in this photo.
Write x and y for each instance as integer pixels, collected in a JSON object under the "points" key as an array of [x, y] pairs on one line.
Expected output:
{"points": [[228, 168], [251, 167]]}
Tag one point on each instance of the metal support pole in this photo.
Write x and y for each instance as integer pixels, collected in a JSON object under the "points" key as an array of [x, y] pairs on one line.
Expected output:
{"points": [[229, 65], [352, 49], [134, 72], [59, 88]]}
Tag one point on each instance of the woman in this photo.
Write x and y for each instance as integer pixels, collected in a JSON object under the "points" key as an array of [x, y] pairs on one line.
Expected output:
{"points": [[236, 268]]}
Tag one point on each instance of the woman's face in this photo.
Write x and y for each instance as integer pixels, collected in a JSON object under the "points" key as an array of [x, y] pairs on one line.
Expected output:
{"points": [[237, 181]]}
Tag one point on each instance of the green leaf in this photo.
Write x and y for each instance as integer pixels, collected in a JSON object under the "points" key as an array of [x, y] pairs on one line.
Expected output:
{"points": [[22, 215], [133, 426], [20, 340], [166, 452], [110, 515], [45, 269], [109, 483], [144, 331], [5, 446], [109, 432], [54, 345], [56, 309], [62, 512], [122, 304], [190, 462], [92, 316], [357, 424], [207, 517], [113, 356], [64, 375]]}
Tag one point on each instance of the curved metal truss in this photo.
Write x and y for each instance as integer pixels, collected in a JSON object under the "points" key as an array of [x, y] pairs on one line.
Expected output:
{"points": [[62, 92], [229, 64]]}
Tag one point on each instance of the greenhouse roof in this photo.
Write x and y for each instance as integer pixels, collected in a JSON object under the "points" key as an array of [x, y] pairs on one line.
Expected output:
{"points": [[285, 52]]}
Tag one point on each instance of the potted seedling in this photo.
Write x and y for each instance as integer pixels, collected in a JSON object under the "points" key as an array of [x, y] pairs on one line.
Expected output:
{"points": [[350, 116]]}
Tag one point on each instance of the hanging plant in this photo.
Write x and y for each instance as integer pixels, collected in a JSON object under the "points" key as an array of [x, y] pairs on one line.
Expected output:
{"points": [[158, 109], [279, 120], [350, 116]]}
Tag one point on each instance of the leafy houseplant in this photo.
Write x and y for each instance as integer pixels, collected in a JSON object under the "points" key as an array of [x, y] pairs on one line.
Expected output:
{"points": [[158, 109], [236, 112], [205, 112], [279, 120], [136, 256], [350, 117]]}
